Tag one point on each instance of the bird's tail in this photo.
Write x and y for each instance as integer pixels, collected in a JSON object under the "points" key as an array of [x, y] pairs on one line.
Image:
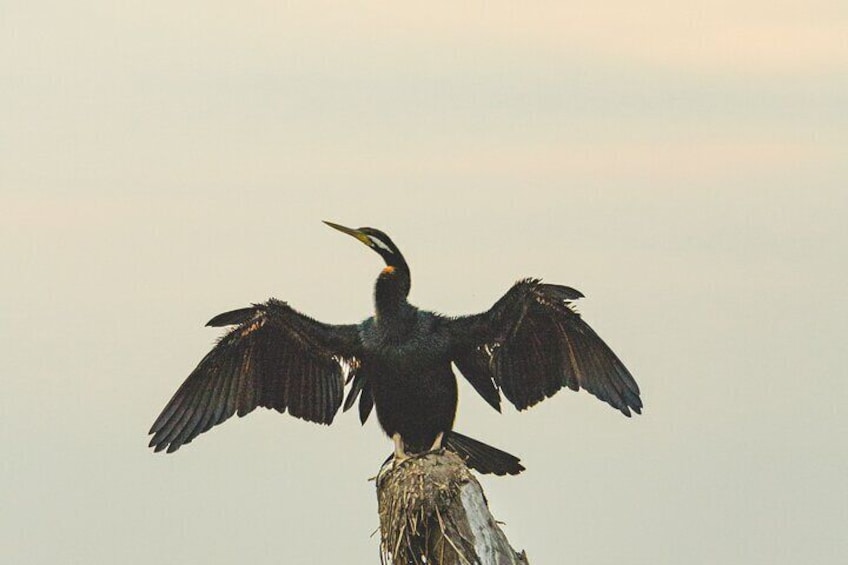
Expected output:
{"points": [[481, 457]]}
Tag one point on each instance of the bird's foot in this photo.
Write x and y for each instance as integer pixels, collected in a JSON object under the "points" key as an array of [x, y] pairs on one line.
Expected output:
{"points": [[437, 445], [400, 452]]}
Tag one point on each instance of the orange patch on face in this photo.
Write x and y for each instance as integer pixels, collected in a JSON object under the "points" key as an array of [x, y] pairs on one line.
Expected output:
{"points": [[389, 270]]}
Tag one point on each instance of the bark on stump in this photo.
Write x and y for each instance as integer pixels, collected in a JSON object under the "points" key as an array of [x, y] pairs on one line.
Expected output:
{"points": [[433, 511]]}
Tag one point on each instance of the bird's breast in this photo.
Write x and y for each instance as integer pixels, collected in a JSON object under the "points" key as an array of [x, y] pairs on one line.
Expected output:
{"points": [[416, 342]]}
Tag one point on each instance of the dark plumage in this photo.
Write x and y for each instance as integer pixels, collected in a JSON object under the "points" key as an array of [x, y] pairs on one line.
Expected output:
{"points": [[529, 345]]}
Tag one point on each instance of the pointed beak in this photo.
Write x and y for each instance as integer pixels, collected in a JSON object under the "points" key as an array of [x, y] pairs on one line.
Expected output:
{"points": [[350, 231]]}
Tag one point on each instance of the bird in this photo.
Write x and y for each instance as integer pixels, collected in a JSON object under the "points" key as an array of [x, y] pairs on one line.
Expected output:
{"points": [[529, 345]]}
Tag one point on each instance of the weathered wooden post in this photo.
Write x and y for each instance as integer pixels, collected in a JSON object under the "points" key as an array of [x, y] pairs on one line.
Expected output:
{"points": [[433, 511]]}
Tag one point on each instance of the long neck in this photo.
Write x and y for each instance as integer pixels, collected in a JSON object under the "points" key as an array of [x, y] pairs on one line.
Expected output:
{"points": [[391, 290]]}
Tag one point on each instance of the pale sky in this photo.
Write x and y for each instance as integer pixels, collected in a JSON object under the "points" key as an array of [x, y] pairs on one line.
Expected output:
{"points": [[684, 164]]}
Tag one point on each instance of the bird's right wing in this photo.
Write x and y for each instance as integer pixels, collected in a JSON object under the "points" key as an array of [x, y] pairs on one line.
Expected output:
{"points": [[275, 357], [531, 344]]}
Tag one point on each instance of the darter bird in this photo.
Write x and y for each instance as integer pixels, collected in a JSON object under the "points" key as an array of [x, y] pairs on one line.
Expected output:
{"points": [[528, 346]]}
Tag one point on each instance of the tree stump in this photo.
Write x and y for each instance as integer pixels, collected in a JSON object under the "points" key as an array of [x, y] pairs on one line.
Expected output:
{"points": [[433, 511]]}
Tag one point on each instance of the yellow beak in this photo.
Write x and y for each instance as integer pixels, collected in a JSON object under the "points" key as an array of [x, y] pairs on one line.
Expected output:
{"points": [[350, 231]]}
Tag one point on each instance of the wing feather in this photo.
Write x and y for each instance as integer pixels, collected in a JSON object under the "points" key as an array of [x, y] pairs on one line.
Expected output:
{"points": [[474, 366], [534, 344], [276, 358], [366, 404], [357, 384]]}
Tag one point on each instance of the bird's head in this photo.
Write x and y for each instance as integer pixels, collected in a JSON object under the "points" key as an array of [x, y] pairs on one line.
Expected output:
{"points": [[376, 240]]}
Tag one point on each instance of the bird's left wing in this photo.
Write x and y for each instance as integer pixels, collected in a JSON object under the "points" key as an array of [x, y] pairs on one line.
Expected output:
{"points": [[275, 357], [531, 344]]}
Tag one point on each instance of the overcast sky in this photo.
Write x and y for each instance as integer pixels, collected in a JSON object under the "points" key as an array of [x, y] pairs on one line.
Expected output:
{"points": [[684, 164]]}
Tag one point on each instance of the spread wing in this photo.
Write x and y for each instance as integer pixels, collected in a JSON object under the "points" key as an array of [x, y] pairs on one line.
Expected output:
{"points": [[531, 344], [275, 357]]}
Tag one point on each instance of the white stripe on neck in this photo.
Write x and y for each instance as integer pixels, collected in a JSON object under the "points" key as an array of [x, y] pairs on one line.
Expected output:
{"points": [[380, 244]]}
